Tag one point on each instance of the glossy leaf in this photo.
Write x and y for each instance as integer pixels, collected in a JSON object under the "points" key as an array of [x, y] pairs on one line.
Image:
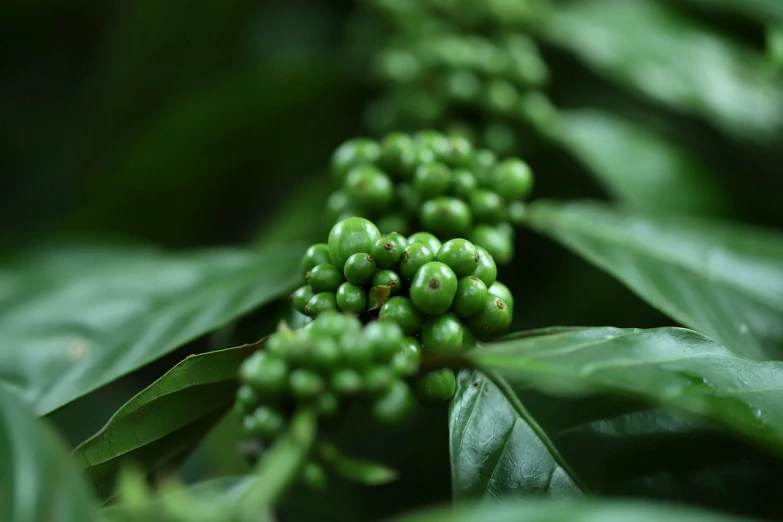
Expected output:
{"points": [[720, 279], [671, 367], [76, 317], [538, 510], [651, 48], [638, 167], [166, 420], [498, 449], [37, 479]]}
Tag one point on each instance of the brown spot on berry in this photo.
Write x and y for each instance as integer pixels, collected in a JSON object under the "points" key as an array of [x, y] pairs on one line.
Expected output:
{"points": [[500, 304], [392, 283], [370, 259], [476, 258], [404, 257], [308, 275], [307, 309], [389, 246], [434, 284], [475, 278]]}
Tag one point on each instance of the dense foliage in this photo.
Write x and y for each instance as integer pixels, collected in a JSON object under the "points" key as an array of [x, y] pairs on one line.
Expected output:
{"points": [[290, 261]]}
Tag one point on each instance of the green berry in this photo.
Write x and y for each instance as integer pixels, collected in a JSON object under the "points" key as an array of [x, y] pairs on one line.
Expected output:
{"points": [[313, 476], [356, 351], [359, 268], [397, 154], [486, 205], [500, 290], [401, 311], [324, 355], [328, 404], [460, 255], [247, 396], [387, 278], [433, 141], [464, 183], [305, 384], [346, 382], [387, 252], [357, 151], [351, 236], [481, 165], [431, 179], [384, 338], [495, 240], [468, 339], [406, 361], [486, 270], [267, 423], [266, 373], [460, 151], [324, 278], [337, 204], [409, 199], [320, 303], [470, 298], [396, 222], [436, 387], [378, 379], [433, 288], [432, 242], [512, 179], [351, 299], [442, 334], [413, 257], [334, 325], [501, 96], [446, 216], [301, 296], [317, 254], [517, 213], [369, 188], [494, 318], [394, 406]]}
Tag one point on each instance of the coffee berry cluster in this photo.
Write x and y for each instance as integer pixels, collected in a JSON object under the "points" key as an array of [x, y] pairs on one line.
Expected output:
{"points": [[324, 366], [433, 183]]}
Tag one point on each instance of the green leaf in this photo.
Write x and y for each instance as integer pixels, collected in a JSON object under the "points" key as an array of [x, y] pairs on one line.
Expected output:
{"points": [[76, 317], [649, 47], [721, 279], [166, 420], [670, 367], [37, 481], [538, 510], [356, 470], [497, 448], [639, 167]]}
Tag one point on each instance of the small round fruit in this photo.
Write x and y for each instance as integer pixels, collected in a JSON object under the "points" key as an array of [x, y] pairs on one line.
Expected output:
{"points": [[359, 268], [387, 252], [431, 179], [378, 379], [435, 387], [265, 373], [495, 240], [267, 422], [320, 303], [305, 384], [394, 406], [493, 319], [313, 476], [481, 165], [434, 141], [414, 257], [446, 216], [317, 254], [369, 188], [401, 311], [468, 339], [460, 151], [486, 205], [470, 298], [356, 351], [346, 382], [388, 278], [357, 151], [334, 325], [384, 338], [500, 290], [324, 278], [324, 355], [512, 179], [397, 154], [460, 255], [486, 270], [351, 236], [394, 222], [432, 242], [433, 288], [351, 299], [464, 183], [301, 296], [517, 213], [247, 396], [406, 361], [442, 334]]}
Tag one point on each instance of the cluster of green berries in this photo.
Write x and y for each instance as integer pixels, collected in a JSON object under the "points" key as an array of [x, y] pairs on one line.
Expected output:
{"points": [[417, 15], [325, 365], [434, 183], [441, 295]]}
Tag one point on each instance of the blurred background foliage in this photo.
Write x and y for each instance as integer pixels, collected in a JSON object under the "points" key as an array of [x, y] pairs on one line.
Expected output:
{"points": [[189, 124]]}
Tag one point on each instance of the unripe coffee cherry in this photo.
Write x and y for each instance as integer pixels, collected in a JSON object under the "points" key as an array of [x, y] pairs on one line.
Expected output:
{"points": [[324, 278], [435, 387], [486, 270], [301, 296], [388, 278], [433, 288], [394, 406], [495, 240], [500, 290], [265, 373], [413, 257], [432, 179], [351, 298], [397, 155], [486, 205], [369, 188], [442, 334], [401, 311], [357, 151], [470, 297], [320, 303], [359, 268], [351, 236], [494, 318], [432, 242], [512, 179], [317, 254], [446, 216], [460, 255], [387, 252]]}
